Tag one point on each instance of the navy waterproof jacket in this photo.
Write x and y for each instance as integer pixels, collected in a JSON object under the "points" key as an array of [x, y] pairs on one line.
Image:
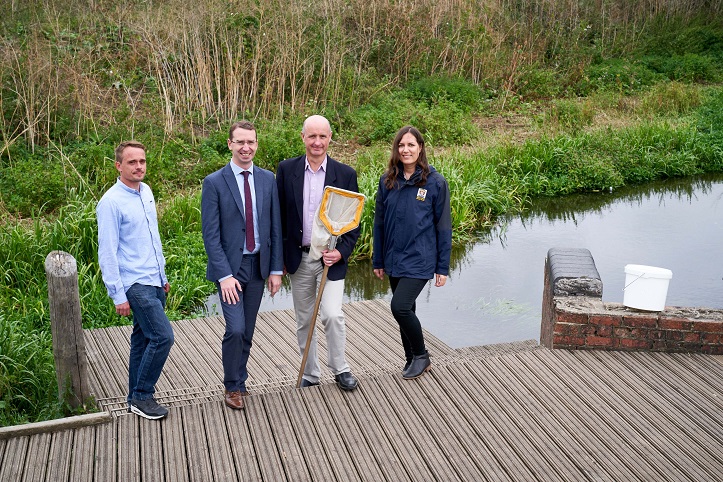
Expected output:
{"points": [[413, 227]]}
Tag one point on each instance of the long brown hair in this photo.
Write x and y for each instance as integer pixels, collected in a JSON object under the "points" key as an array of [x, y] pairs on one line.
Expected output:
{"points": [[395, 160]]}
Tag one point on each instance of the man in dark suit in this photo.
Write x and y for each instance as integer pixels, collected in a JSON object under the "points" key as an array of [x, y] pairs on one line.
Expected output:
{"points": [[301, 181], [241, 226]]}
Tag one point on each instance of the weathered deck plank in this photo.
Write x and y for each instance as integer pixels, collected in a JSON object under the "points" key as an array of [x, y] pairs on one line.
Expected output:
{"points": [[642, 413], [106, 452], [245, 454], [217, 435], [578, 443], [129, 464], [339, 433], [60, 451], [524, 418], [82, 458], [36, 465], [16, 451], [151, 450], [270, 458], [319, 457], [448, 409], [699, 429], [174, 447]]}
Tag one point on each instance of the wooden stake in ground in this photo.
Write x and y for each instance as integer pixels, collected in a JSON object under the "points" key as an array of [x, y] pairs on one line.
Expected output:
{"points": [[71, 363]]}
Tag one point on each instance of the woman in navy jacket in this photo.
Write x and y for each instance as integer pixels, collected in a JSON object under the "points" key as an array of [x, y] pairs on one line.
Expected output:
{"points": [[412, 238]]}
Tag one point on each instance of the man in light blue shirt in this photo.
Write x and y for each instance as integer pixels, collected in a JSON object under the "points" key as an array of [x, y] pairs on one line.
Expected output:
{"points": [[131, 260]]}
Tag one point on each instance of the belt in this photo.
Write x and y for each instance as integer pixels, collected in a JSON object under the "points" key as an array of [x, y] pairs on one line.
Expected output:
{"points": [[251, 255], [305, 249]]}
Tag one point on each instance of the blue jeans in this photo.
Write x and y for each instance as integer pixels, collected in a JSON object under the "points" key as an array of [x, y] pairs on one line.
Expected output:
{"points": [[151, 339]]}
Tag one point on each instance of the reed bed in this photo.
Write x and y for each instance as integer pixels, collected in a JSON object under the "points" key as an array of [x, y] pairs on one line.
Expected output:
{"points": [[70, 71]]}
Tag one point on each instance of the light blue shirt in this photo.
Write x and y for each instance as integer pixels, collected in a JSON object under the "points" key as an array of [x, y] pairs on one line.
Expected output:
{"points": [[237, 172], [129, 245]]}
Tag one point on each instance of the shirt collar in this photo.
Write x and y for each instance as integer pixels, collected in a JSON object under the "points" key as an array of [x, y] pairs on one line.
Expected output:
{"points": [[323, 164], [129, 189], [237, 170]]}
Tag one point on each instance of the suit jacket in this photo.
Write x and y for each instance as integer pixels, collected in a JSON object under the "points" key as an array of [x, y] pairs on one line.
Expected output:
{"points": [[290, 181], [224, 227]]}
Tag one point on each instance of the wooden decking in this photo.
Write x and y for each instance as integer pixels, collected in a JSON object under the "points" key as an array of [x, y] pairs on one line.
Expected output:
{"points": [[503, 412]]}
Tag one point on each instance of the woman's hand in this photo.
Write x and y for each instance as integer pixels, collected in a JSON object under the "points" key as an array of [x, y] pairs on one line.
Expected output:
{"points": [[379, 273], [440, 279]]}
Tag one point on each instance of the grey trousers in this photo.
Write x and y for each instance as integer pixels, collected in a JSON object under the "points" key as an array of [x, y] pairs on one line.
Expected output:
{"points": [[304, 286]]}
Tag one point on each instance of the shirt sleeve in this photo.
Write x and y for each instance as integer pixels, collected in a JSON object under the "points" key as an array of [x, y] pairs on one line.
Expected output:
{"points": [[108, 239], [443, 226]]}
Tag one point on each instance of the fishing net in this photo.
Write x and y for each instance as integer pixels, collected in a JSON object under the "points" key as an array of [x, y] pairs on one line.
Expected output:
{"points": [[339, 212]]}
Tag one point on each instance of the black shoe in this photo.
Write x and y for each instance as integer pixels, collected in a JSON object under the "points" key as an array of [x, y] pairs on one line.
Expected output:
{"points": [[148, 408], [306, 383], [420, 364], [346, 381], [406, 365]]}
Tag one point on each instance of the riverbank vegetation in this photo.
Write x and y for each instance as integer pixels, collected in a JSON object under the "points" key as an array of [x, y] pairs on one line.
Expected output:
{"points": [[517, 99]]}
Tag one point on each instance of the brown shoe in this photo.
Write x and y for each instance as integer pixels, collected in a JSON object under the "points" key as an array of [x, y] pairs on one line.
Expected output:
{"points": [[233, 400]]}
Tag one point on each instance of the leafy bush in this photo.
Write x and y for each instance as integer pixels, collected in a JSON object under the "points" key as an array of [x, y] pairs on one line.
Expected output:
{"points": [[441, 122], [279, 141], [688, 67], [539, 83], [35, 184], [619, 75], [464, 94]]}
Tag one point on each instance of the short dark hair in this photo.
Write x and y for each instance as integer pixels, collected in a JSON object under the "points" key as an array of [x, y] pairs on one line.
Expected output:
{"points": [[122, 147], [242, 124]]}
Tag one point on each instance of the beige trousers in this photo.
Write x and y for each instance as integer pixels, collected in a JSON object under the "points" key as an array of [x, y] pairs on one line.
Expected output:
{"points": [[304, 285]]}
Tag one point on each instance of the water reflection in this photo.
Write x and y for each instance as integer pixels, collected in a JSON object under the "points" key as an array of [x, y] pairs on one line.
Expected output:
{"points": [[494, 292]]}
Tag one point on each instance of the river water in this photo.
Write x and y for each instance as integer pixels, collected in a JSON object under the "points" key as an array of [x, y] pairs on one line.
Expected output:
{"points": [[494, 292]]}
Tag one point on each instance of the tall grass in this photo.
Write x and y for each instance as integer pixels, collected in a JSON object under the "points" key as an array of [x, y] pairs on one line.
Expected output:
{"points": [[70, 71]]}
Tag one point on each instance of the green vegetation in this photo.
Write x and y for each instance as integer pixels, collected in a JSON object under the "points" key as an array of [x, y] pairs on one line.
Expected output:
{"points": [[515, 99]]}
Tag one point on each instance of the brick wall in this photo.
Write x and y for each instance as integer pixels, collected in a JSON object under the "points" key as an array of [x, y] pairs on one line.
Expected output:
{"points": [[575, 317]]}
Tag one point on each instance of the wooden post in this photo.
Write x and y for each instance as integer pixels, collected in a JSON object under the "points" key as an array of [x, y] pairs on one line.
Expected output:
{"points": [[71, 363]]}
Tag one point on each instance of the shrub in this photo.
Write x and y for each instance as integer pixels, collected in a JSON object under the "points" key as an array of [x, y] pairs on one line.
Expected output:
{"points": [[464, 94], [671, 98], [619, 75], [689, 67], [571, 115]]}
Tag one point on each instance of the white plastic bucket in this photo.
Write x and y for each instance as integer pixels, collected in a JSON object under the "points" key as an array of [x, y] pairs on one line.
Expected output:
{"points": [[646, 287]]}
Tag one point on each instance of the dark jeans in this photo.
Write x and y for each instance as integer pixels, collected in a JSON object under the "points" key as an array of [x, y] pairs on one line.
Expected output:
{"points": [[240, 324], [151, 339], [404, 306]]}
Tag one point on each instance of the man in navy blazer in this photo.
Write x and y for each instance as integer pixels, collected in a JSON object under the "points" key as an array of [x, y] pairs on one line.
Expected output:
{"points": [[301, 181], [241, 224]]}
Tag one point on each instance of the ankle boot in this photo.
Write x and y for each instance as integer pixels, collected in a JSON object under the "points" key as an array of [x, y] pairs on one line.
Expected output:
{"points": [[419, 365], [406, 365]]}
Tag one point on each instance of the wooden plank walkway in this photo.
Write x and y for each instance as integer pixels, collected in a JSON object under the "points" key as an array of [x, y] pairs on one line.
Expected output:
{"points": [[514, 412]]}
